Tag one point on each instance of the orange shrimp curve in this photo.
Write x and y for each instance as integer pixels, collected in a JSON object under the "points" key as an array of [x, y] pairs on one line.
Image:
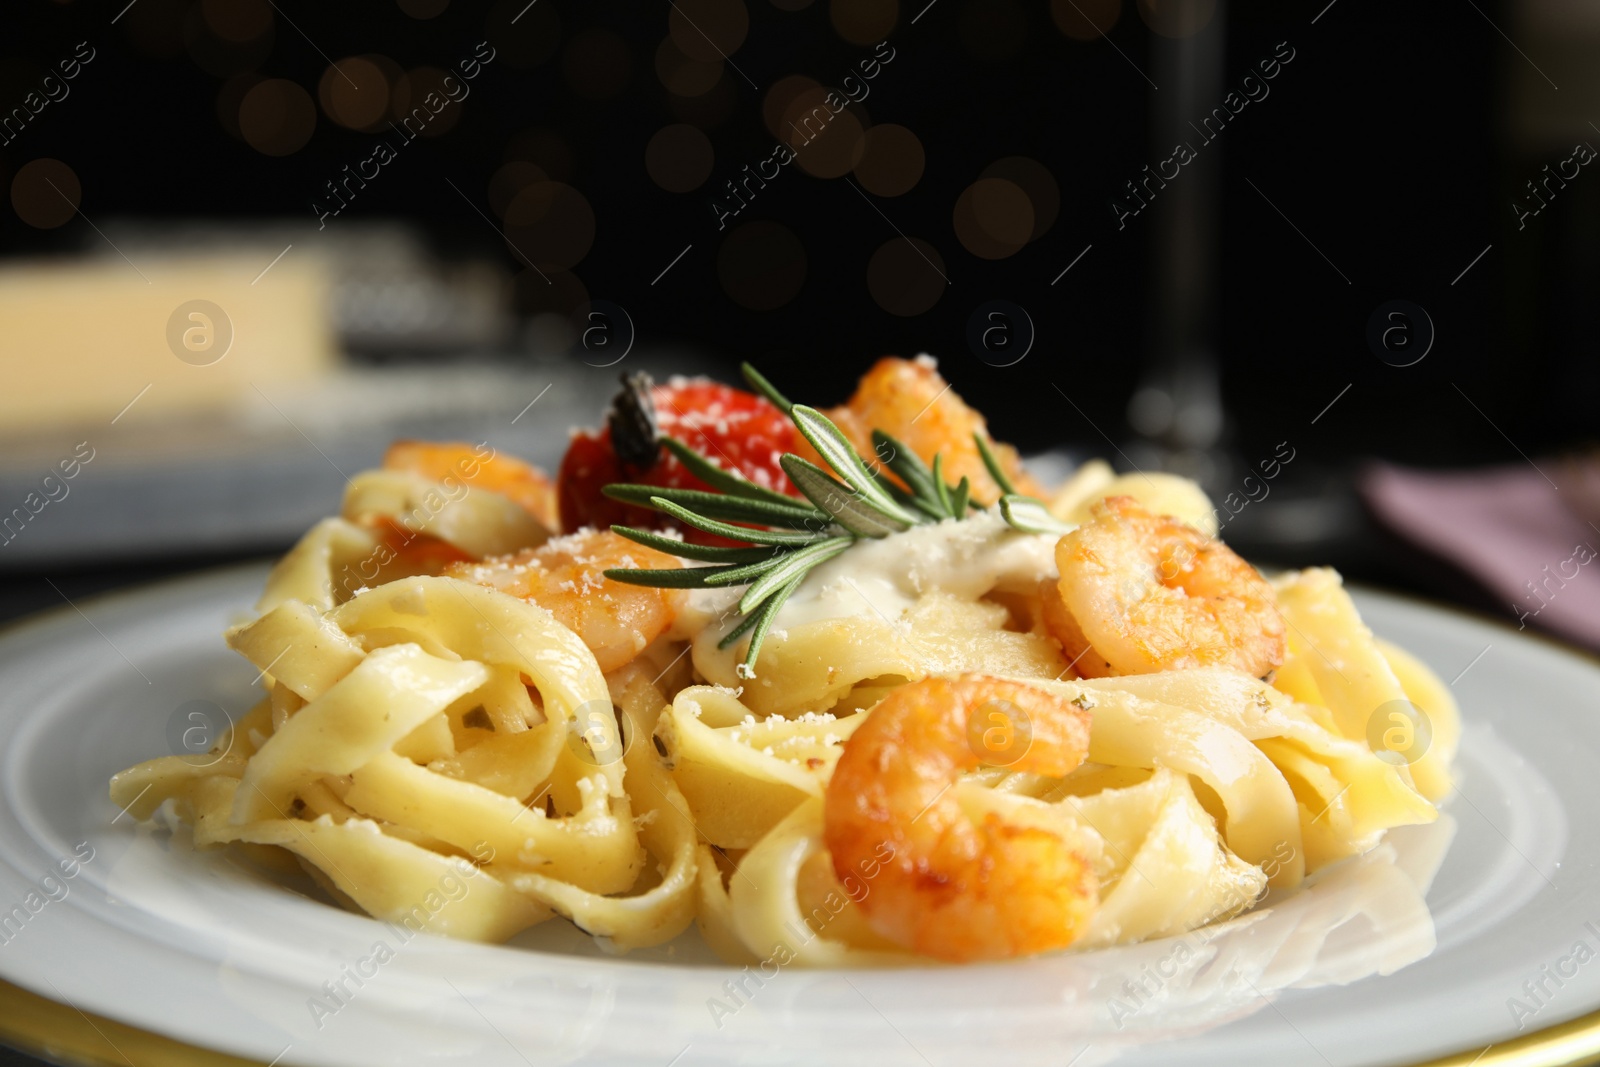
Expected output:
{"points": [[566, 576], [1141, 593], [956, 888]]}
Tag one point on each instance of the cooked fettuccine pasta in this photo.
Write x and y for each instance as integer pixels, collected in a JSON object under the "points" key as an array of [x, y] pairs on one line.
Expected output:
{"points": [[830, 708]]}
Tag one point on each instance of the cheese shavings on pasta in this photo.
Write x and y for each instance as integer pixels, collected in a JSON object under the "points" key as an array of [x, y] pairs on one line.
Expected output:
{"points": [[435, 715]]}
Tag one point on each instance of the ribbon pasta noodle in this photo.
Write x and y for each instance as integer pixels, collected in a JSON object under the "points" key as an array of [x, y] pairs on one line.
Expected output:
{"points": [[434, 710]]}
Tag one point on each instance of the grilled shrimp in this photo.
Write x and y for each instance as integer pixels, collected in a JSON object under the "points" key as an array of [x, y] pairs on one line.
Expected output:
{"points": [[482, 468], [566, 577], [955, 887], [909, 399], [1140, 593]]}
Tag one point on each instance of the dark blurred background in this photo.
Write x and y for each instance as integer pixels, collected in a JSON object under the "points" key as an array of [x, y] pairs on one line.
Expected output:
{"points": [[576, 191]]}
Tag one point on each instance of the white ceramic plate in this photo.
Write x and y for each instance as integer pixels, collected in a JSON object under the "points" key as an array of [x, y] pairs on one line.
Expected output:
{"points": [[1411, 953]]}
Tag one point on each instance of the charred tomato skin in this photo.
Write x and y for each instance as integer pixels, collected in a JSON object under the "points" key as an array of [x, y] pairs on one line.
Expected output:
{"points": [[732, 428]]}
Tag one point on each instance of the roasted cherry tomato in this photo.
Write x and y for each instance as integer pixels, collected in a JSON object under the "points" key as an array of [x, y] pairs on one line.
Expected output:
{"points": [[734, 429]]}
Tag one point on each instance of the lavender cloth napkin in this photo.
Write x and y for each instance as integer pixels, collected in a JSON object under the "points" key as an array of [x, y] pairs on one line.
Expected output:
{"points": [[1532, 542]]}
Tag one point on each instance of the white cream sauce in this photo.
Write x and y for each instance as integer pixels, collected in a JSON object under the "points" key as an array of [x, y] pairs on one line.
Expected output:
{"points": [[887, 576]]}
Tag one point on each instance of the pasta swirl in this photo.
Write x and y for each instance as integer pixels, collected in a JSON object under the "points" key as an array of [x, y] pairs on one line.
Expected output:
{"points": [[1094, 728]]}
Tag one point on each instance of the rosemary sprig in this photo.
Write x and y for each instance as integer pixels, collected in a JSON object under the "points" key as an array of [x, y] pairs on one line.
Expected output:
{"points": [[794, 513], [1031, 516], [908, 466], [992, 463], [837, 452], [759, 383], [779, 539], [838, 500], [1022, 512], [684, 550]]}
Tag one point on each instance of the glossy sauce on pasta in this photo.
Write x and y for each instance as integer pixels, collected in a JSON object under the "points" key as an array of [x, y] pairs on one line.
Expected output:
{"points": [[885, 580], [420, 731]]}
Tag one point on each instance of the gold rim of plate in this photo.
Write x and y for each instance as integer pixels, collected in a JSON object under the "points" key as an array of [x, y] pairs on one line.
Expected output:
{"points": [[63, 1034]]}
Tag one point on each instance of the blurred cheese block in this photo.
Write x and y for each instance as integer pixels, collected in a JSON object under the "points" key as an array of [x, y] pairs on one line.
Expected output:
{"points": [[82, 340]]}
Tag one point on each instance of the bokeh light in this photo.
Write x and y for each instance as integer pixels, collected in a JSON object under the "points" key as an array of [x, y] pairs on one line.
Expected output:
{"points": [[423, 97], [237, 20], [392, 71], [511, 179], [277, 117], [1177, 18], [906, 276], [762, 265], [993, 218], [679, 158], [863, 22], [682, 75], [891, 162], [1084, 20], [597, 64], [1036, 181], [775, 105], [827, 145], [45, 193], [355, 93], [708, 30], [549, 223], [523, 36]]}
